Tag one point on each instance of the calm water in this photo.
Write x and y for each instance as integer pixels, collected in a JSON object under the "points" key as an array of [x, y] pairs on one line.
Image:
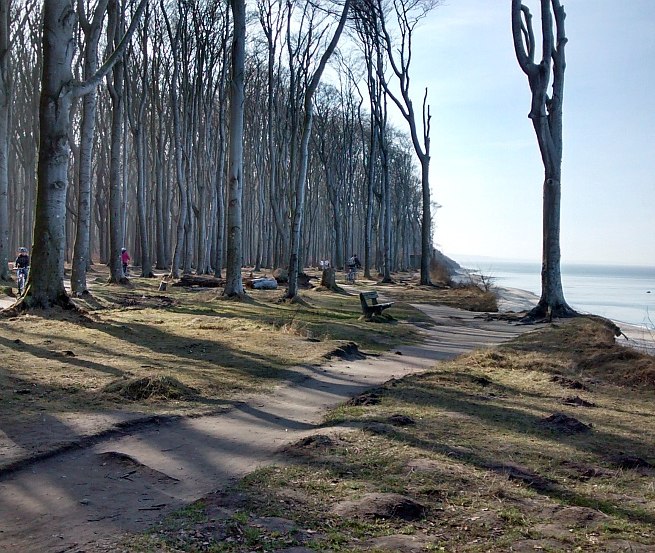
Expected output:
{"points": [[623, 294]]}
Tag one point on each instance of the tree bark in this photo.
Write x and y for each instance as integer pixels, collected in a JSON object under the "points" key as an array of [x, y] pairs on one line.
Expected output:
{"points": [[81, 250], [116, 91], [546, 117], [233, 279], [45, 287], [5, 104], [296, 225]]}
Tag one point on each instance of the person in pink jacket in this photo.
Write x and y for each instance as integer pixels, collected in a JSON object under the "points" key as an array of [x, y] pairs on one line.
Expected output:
{"points": [[125, 260]]}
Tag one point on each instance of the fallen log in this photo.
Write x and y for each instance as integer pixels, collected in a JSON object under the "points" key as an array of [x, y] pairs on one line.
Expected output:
{"points": [[204, 281]]}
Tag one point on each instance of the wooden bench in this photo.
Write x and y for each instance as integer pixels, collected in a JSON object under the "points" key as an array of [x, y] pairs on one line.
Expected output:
{"points": [[374, 308]]}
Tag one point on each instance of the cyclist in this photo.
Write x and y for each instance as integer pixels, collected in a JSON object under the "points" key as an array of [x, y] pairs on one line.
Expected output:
{"points": [[353, 265], [22, 267]]}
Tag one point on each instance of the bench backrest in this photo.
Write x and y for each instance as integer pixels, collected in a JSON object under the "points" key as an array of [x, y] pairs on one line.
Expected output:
{"points": [[369, 295]]}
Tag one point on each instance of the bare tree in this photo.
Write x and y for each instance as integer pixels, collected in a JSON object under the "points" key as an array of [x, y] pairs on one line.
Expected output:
{"points": [[5, 100], [301, 184], [136, 118], [408, 13], [116, 86], [81, 254], [233, 280], [58, 89], [546, 116]]}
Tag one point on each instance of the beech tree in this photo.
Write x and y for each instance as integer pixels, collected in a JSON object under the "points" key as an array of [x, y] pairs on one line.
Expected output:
{"points": [[546, 116], [300, 184], [162, 189], [408, 13], [233, 280], [5, 108], [136, 116], [92, 30], [45, 286]]}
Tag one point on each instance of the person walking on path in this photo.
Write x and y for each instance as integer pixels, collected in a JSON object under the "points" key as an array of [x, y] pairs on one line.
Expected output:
{"points": [[125, 260]]}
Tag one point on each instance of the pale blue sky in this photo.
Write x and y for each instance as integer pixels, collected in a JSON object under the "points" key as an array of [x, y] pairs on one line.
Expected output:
{"points": [[486, 170]]}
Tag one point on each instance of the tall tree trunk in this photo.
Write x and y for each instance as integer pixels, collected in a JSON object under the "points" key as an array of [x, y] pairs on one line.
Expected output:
{"points": [[296, 225], [546, 117], [426, 218], [5, 103], [162, 246], [177, 137], [233, 280], [81, 252], [140, 151], [116, 84], [46, 280]]}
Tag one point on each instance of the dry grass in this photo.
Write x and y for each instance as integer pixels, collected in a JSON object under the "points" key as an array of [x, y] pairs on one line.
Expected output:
{"points": [[479, 456], [464, 296]]}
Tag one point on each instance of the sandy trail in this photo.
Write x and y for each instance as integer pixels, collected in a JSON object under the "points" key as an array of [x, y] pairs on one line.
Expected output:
{"points": [[83, 499]]}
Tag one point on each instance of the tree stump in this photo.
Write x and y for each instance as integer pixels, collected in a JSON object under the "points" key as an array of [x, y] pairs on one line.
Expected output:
{"points": [[329, 279]]}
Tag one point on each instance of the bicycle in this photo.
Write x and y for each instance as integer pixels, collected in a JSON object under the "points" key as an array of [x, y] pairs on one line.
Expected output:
{"points": [[21, 277]]}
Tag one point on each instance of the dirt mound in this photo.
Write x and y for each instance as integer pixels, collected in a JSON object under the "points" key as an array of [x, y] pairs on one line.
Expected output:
{"points": [[381, 506], [367, 398], [401, 420], [347, 352], [317, 441], [561, 423], [577, 401], [150, 387], [522, 474], [568, 383]]}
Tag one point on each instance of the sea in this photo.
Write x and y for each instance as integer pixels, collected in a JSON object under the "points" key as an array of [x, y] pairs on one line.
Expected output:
{"points": [[624, 294]]}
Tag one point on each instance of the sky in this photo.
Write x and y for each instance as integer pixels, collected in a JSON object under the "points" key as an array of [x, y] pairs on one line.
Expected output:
{"points": [[486, 170]]}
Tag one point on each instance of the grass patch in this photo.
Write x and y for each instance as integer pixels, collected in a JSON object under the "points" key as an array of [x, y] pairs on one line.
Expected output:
{"points": [[463, 296], [476, 455]]}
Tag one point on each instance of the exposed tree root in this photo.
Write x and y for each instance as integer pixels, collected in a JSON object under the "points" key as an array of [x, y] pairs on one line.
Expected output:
{"points": [[124, 281], [243, 297], [30, 303], [295, 300], [546, 313]]}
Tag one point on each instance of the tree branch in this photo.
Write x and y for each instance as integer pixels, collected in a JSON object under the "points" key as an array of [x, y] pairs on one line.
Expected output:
{"points": [[90, 84]]}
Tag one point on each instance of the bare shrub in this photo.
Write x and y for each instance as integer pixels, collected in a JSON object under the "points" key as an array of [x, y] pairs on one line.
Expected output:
{"points": [[439, 273]]}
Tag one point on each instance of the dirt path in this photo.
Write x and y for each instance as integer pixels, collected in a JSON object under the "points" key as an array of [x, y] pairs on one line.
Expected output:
{"points": [[82, 500]]}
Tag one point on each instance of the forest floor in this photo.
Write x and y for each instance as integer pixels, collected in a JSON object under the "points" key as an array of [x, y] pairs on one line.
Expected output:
{"points": [[180, 421]]}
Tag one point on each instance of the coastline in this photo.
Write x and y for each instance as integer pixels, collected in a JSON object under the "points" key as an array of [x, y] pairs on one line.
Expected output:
{"points": [[637, 337]]}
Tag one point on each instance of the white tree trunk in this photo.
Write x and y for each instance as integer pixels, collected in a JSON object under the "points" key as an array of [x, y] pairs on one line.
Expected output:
{"points": [[81, 251], [546, 117]]}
